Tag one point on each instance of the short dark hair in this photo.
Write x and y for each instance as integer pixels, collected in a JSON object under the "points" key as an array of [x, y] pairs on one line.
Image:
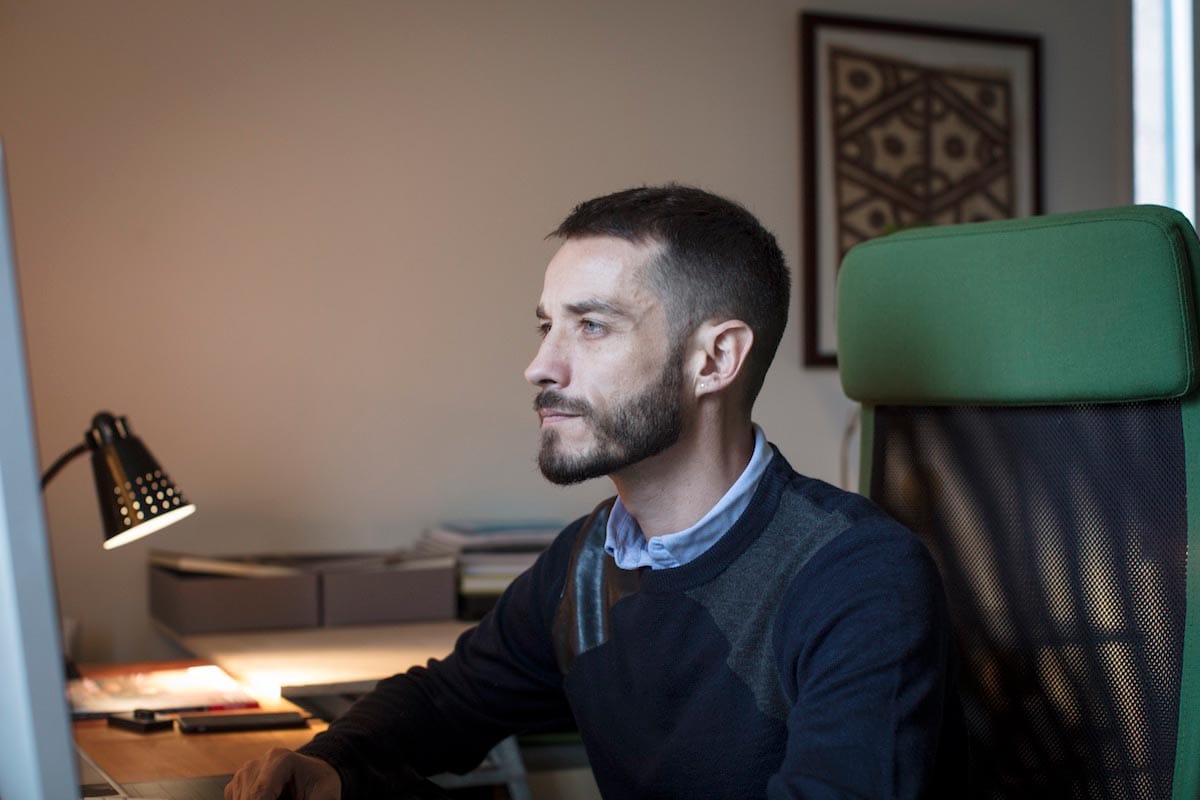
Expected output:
{"points": [[717, 261]]}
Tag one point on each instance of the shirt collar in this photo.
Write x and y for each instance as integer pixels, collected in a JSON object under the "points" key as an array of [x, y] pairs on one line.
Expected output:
{"points": [[625, 542]]}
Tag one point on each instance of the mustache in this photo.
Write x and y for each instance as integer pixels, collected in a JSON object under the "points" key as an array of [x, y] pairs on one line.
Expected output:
{"points": [[554, 399]]}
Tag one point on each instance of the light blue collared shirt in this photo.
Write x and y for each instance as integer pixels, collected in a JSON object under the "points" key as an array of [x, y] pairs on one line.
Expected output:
{"points": [[628, 546]]}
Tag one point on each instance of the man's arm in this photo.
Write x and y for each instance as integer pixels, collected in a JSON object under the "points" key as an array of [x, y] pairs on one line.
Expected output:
{"points": [[866, 654], [283, 773], [502, 678]]}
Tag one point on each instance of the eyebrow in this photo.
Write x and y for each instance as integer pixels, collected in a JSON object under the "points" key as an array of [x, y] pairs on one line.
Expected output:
{"points": [[591, 306]]}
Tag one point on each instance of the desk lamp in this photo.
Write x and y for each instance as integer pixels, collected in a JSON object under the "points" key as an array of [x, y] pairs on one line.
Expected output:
{"points": [[136, 496]]}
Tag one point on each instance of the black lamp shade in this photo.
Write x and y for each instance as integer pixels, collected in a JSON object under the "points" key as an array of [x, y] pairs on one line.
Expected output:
{"points": [[136, 496]]}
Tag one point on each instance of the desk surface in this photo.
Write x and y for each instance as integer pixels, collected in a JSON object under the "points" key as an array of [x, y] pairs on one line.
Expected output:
{"points": [[323, 660], [131, 757], [326, 660]]}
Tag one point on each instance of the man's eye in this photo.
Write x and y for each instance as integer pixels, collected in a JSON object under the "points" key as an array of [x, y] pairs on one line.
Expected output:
{"points": [[591, 327], [543, 329]]}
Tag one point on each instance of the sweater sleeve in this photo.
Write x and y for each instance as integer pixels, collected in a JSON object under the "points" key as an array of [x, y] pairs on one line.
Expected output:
{"points": [[501, 679], [865, 653]]}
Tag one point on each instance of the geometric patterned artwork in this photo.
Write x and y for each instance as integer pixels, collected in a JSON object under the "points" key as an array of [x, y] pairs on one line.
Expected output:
{"points": [[904, 125], [916, 145]]}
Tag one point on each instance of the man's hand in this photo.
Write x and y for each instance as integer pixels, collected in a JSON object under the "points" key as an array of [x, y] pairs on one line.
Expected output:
{"points": [[284, 774]]}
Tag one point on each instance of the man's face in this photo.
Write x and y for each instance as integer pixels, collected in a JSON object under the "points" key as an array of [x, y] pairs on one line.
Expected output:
{"points": [[611, 384]]}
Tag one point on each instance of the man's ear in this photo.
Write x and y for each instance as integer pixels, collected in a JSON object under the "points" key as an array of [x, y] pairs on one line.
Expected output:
{"points": [[721, 352]]}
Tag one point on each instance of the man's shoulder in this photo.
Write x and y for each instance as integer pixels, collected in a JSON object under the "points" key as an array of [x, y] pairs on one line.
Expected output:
{"points": [[858, 538], [847, 553], [819, 516], [806, 501]]}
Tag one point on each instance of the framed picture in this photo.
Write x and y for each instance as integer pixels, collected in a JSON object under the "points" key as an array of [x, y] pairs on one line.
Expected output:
{"points": [[906, 125]]}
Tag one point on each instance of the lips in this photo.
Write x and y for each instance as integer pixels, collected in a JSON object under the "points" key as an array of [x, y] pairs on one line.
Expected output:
{"points": [[550, 416], [552, 407]]}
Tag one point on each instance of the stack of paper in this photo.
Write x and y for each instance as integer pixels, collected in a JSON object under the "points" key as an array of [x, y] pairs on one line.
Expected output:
{"points": [[490, 556], [482, 573], [453, 538]]}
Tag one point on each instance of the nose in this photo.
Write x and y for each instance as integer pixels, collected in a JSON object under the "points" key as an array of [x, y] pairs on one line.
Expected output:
{"points": [[549, 367]]}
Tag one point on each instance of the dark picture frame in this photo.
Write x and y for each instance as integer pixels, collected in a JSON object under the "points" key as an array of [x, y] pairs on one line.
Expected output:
{"points": [[904, 125]]}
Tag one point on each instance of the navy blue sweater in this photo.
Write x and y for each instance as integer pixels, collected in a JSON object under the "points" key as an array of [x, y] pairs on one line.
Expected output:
{"points": [[806, 655]]}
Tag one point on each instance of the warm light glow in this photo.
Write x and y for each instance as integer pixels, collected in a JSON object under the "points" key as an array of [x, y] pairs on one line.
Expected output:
{"points": [[264, 690], [149, 527], [208, 676]]}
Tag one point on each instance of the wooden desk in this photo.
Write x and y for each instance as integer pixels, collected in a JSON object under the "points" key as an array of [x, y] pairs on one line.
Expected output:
{"points": [[319, 662], [131, 757]]}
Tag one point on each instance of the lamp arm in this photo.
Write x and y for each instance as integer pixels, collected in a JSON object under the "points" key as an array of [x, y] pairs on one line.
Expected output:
{"points": [[62, 461]]}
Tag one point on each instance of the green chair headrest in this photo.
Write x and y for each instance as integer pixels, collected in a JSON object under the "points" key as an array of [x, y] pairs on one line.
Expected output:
{"points": [[1070, 308]]}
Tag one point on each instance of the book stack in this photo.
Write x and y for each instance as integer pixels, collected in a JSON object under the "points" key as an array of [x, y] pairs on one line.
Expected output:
{"points": [[490, 556]]}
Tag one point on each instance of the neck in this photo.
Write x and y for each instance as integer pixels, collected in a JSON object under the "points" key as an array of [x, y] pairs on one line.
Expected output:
{"points": [[675, 489]]}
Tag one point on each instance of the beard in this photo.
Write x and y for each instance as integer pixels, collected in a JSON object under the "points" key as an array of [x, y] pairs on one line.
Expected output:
{"points": [[635, 429]]}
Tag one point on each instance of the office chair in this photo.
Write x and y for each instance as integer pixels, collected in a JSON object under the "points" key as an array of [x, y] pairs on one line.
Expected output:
{"points": [[1030, 410]]}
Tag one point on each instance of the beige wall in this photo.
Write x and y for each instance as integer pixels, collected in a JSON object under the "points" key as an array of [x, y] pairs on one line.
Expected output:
{"points": [[300, 243]]}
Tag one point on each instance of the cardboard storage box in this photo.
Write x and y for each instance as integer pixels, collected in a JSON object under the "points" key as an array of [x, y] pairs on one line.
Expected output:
{"points": [[190, 603], [348, 589], [389, 595]]}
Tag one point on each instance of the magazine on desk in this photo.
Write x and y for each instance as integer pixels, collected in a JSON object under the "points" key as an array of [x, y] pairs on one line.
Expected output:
{"points": [[203, 688]]}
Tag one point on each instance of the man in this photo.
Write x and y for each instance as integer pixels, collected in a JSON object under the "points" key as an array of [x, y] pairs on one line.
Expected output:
{"points": [[724, 627]]}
